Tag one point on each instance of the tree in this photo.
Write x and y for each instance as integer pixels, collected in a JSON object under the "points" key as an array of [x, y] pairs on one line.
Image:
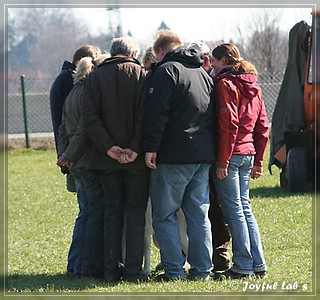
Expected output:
{"points": [[266, 46], [42, 38], [163, 26]]}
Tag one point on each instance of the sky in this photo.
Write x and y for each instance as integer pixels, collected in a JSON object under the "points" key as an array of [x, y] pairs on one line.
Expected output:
{"points": [[207, 23]]}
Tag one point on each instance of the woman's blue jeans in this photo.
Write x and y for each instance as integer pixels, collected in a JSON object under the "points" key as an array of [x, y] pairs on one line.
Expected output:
{"points": [[235, 203], [93, 253], [183, 186], [75, 255]]}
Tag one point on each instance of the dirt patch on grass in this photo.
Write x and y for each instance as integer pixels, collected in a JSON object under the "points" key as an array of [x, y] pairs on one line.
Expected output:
{"points": [[37, 143]]}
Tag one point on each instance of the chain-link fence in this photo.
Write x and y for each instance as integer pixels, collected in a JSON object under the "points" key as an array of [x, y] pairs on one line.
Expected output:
{"points": [[38, 107]]}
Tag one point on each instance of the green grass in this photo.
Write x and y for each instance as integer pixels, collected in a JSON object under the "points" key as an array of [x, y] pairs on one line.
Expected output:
{"points": [[41, 215]]}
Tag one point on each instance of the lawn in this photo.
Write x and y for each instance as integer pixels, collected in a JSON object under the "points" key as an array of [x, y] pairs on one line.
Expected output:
{"points": [[41, 214]]}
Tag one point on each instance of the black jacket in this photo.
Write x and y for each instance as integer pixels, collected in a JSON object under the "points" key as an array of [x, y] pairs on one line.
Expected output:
{"points": [[180, 110], [59, 91], [113, 111]]}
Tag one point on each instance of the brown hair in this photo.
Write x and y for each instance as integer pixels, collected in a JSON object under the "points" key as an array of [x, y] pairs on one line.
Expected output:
{"points": [[231, 54], [84, 51], [149, 58], [165, 40]]}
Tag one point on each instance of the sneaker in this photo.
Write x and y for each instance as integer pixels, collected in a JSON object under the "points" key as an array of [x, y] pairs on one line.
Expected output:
{"points": [[192, 278], [229, 274], [261, 274]]}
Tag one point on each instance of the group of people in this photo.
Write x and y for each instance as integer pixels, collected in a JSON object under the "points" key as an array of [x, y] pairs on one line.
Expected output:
{"points": [[187, 129]]}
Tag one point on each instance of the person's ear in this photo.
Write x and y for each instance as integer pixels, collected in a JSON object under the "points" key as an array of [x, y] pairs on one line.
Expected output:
{"points": [[224, 61], [134, 54], [206, 63]]}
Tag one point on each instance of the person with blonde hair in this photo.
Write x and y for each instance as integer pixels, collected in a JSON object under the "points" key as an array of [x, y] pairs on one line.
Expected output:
{"points": [[180, 147], [243, 132], [88, 189], [63, 84]]}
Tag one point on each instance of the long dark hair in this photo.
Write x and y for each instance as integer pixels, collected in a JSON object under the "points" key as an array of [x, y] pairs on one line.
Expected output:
{"points": [[231, 54]]}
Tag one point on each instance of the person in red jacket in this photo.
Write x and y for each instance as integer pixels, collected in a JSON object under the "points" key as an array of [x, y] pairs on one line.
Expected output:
{"points": [[243, 132]]}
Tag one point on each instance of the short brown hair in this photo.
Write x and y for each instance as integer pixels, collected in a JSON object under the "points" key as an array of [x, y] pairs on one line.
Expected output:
{"points": [[84, 51], [166, 39]]}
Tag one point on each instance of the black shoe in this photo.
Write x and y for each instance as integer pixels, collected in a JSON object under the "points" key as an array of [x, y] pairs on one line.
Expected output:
{"points": [[114, 275], [112, 278], [229, 274], [261, 274], [136, 278], [159, 267], [69, 272], [220, 268], [92, 276], [164, 278]]}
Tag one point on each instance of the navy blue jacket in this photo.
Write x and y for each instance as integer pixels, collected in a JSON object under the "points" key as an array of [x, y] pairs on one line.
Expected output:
{"points": [[180, 110], [59, 91]]}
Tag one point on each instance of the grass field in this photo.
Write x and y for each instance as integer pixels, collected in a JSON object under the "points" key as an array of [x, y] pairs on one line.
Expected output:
{"points": [[41, 214]]}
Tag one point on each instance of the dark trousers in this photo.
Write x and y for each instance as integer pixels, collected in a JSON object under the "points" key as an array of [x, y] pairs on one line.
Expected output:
{"points": [[93, 256], [220, 231], [75, 256], [126, 195]]}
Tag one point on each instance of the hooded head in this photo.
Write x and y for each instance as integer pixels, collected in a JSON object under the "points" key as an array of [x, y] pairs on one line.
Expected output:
{"points": [[200, 45], [204, 48]]}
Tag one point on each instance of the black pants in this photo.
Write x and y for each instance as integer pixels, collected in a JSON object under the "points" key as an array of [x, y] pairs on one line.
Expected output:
{"points": [[126, 195], [220, 231]]}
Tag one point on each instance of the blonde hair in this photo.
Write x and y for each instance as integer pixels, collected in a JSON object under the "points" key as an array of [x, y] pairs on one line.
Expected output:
{"points": [[231, 54], [166, 40], [84, 68]]}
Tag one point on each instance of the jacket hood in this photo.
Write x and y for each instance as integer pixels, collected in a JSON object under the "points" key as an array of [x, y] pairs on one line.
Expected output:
{"points": [[189, 57], [247, 83], [67, 65]]}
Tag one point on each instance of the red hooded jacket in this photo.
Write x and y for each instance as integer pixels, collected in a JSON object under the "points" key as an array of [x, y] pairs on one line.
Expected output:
{"points": [[243, 125]]}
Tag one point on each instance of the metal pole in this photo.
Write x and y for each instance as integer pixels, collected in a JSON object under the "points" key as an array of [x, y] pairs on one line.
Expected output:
{"points": [[25, 117]]}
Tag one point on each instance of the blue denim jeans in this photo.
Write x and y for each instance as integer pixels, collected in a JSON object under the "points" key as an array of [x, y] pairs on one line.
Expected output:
{"points": [[186, 186], [78, 236], [235, 203], [93, 256]]}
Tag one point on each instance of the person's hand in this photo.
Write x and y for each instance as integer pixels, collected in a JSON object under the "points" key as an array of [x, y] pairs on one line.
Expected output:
{"points": [[221, 173], [115, 152], [256, 172], [128, 156], [150, 159], [63, 161]]}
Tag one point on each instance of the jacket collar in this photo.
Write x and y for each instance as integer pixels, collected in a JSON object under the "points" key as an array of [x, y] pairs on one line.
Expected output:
{"points": [[119, 59]]}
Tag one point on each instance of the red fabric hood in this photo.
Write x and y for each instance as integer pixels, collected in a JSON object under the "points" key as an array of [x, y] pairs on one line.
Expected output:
{"points": [[247, 84]]}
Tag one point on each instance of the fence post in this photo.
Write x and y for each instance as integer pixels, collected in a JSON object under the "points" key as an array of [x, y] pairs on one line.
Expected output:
{"points": [[25, 117]]}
